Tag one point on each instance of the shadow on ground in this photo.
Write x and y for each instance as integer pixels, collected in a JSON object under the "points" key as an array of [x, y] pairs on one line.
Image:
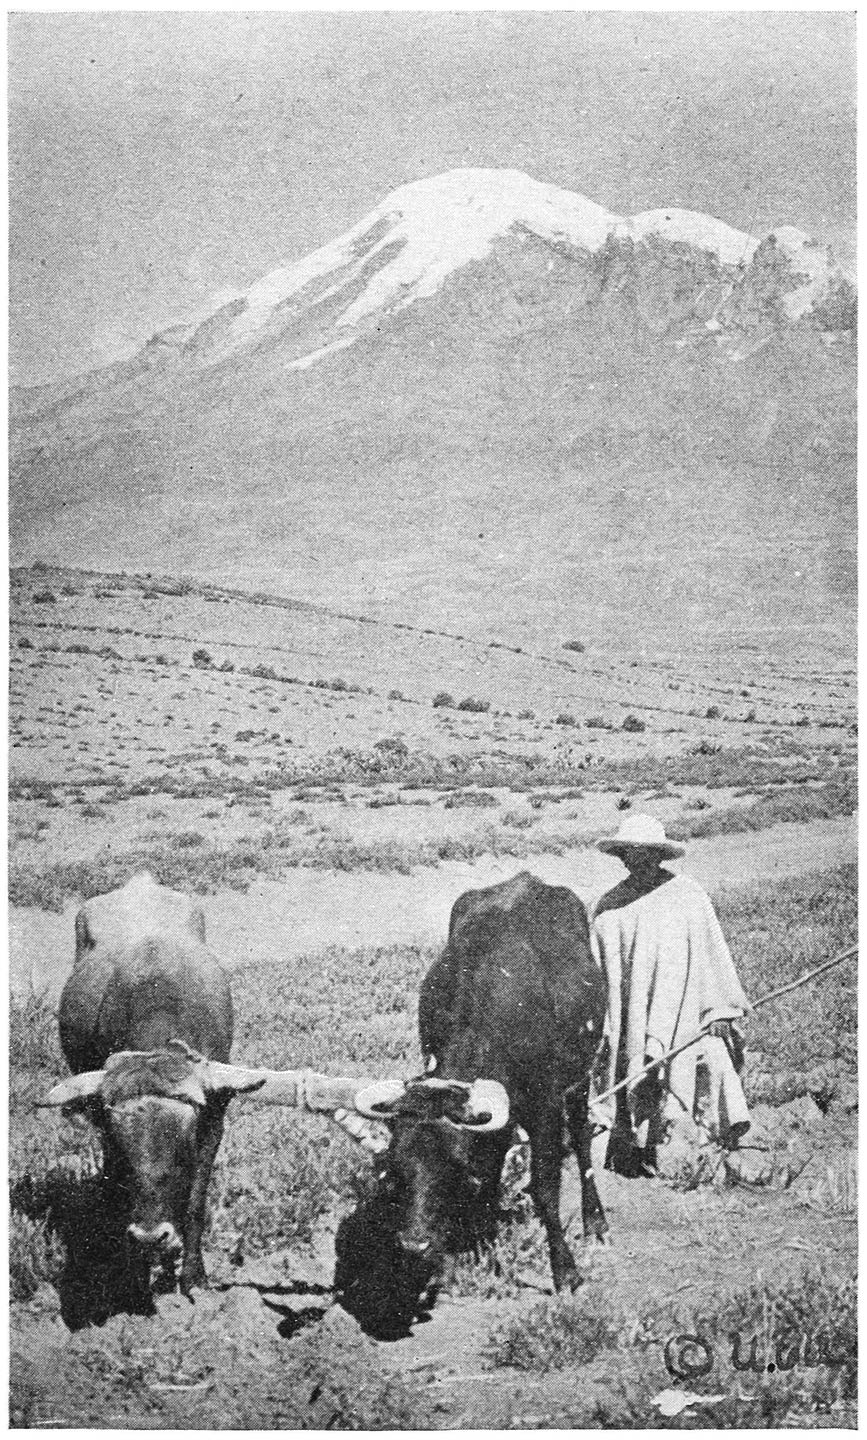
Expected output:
{"points": [[98, 1278]]}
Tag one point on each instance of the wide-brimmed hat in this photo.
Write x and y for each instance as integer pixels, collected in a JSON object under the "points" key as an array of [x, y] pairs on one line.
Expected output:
{"points": [[641, 832]]}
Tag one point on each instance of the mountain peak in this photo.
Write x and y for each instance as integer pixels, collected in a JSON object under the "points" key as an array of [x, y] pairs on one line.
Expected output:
{"points": [[425, 231], [421, 233]]}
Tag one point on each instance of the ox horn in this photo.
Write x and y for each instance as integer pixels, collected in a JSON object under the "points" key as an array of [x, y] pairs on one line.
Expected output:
{"points": [[76, 1088], [487, 1097], [376, 1101]]}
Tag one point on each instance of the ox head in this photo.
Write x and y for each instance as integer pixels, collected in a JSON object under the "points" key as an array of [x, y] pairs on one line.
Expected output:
{"points": [[152, 1110], [448, 1139]]}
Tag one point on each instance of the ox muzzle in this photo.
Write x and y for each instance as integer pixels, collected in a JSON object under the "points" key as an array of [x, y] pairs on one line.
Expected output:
{"points": [[160, 1240]]}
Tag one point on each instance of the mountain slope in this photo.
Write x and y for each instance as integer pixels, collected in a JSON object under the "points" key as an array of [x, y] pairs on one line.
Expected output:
{"points": [[489, 393]]}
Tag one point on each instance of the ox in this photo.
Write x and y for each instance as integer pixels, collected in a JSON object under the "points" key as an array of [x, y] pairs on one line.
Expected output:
{"points": [[146, 1027], [511, 1019]]}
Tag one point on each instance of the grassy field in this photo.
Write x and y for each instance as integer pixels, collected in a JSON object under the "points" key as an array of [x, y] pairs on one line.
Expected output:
{"points": [[353, 1012], [221, 739], [217, 738]]}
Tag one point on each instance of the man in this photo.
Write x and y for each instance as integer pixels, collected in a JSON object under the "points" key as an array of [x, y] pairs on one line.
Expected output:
{"points": [[670, 975]]}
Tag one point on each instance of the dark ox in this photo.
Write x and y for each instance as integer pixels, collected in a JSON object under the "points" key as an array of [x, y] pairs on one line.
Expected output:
{"points": [[146, 1028], [516, 998]]}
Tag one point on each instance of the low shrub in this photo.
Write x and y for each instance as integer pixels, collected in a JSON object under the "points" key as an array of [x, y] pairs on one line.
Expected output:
{"points": [[36, 1256], [788, 805], [633, 724], [554, 1334], [33, 1034], [475, 707], [519, 819], [202, 659], [44, 597], [396, 749], [575, 645], [566, 719], [340, 687], [462, 799], [25, 644], [443, 700], [713, 712]]}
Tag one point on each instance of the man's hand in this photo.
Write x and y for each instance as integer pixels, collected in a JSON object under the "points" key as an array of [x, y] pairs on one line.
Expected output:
{"points": [[732, 1038], [653, 1050]]}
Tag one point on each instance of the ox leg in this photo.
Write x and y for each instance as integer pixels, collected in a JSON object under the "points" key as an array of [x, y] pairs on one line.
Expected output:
{"points": [[193, 1271], [581, 1135], [546, 1140]]}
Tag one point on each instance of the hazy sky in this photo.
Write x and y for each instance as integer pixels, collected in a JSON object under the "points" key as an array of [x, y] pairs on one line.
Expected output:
{"points": [[158, 161]]}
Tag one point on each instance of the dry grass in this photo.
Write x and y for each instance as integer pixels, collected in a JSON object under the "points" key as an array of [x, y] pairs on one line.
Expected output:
{"points": [[280, 1175], [186, 861]]}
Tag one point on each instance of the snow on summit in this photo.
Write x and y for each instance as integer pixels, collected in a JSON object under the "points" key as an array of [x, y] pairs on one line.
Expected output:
{"points": [[690, 227], [423, 232], [478, 206], [437, 226]]}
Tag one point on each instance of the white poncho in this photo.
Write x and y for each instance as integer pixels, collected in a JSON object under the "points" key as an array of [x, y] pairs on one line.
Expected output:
{"points": [[669, 974]]}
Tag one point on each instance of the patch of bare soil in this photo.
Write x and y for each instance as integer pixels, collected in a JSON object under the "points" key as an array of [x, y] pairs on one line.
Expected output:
{"points": [[217, 1363]]}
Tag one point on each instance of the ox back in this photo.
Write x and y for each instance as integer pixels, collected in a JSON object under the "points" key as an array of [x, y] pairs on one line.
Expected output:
{"points": [[517, 997], [143, 977]]}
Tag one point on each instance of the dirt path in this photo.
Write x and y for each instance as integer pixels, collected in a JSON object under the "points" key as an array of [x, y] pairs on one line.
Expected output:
{"points": [[311, 909]]}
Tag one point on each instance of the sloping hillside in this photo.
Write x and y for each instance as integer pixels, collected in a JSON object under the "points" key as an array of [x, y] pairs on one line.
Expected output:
{"points": [[611, 419]]}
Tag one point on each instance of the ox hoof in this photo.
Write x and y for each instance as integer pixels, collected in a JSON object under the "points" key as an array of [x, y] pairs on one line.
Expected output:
{"points": [[193, 1280], [568, 1281]]}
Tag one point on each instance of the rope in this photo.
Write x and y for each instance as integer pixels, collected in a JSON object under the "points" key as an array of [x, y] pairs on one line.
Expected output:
{"points": [[763, 1000]]}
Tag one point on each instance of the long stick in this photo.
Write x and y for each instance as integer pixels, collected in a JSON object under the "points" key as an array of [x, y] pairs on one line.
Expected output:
{"points": [[811, 975], [764, 1000]]}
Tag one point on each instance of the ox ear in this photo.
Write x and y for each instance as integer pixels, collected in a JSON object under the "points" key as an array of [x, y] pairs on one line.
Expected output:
{"points": [[77, 1090]]}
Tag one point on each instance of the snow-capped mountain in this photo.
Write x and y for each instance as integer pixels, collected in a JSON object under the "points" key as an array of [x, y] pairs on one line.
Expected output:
{"points": [[424, 233], [482, 355]]}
